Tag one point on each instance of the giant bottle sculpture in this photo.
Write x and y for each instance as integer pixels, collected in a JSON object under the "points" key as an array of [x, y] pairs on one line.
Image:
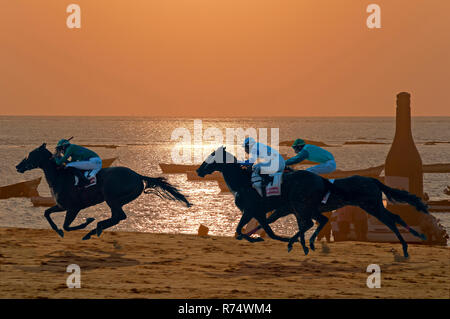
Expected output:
{"points": [[403, 166]]}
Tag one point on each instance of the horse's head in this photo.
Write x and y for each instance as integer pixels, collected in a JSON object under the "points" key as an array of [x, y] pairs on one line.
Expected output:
{"points": [[34, 159], [215, 162]]}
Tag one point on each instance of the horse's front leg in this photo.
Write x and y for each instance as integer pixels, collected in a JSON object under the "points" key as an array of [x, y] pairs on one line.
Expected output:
{"points": [[70, 216], [246, 217], [263, 222], [47, 213], [277, 214]]}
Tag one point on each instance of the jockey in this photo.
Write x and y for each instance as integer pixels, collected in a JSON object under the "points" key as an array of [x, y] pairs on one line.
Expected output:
{"points": [[270, 161], [81, 159], [313, 153]]}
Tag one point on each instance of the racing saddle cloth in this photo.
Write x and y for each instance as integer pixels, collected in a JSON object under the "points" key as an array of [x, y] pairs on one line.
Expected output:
{"points": [[272, 184]]}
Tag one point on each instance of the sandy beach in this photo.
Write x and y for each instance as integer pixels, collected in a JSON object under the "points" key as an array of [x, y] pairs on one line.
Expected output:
{"points": [[143, 265]]}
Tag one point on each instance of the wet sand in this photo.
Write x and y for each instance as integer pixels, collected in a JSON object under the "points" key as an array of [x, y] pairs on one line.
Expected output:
{"points": [[142, 265]]}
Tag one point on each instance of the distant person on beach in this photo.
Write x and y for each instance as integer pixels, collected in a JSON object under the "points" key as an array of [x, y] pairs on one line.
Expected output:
{"points": [[270, 162], [314, 153], [82, 159]]}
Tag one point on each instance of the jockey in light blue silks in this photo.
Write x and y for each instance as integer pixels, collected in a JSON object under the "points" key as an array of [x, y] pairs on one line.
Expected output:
{"points": [[304, 151], [270, 161]]}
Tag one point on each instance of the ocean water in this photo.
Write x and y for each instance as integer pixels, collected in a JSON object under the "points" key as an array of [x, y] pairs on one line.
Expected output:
{"points": [[143, 143]]}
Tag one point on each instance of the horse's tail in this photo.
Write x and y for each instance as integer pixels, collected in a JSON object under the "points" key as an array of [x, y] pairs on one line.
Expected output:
{"points": [[401, 196], [163, 189]]}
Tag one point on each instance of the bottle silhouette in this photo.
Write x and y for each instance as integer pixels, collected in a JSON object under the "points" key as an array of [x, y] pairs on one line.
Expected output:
{"points": [[403, 166]]}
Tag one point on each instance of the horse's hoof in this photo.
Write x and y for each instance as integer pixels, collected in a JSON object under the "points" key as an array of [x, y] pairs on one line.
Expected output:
{"points": [[259, 239], [60, 233], [86, 237], [306, 250], [99, 232], [289, 248], [239, 237], [423, 237], [311, 245]]}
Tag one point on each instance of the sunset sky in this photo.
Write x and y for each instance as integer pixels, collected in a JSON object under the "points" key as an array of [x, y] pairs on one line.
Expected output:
{"points": [[224, 58]]}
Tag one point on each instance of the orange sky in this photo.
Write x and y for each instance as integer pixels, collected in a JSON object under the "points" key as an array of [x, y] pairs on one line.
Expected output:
{"points": [[224, 58]]}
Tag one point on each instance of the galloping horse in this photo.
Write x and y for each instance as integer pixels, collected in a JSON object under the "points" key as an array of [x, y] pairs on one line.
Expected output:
{"points": [[302, 193], [115, 185]]}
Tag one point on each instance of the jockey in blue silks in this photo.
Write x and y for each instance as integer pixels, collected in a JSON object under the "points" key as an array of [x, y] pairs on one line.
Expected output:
{"points": [[270, 161], [314, 153]]}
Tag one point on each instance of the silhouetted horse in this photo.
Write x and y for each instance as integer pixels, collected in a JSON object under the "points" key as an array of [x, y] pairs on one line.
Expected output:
{"points": [[115, 185], [302, 194]]}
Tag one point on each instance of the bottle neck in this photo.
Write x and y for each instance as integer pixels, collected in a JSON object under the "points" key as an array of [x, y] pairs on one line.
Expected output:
{"points": [[403, 123]]}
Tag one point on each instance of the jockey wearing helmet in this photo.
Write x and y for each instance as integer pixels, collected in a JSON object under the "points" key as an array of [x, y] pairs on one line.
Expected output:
{"points": [[81, 159], [270, 161], [314, 153]]}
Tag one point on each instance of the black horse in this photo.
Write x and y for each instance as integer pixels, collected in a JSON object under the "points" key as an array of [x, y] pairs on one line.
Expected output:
{"points": [[115, 185], [302, 194]]}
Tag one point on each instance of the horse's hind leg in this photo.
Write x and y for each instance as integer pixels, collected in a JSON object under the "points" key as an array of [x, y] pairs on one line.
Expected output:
{"points": [[303, 226], [391, 224], [70, 216], [389, 221], [303, 213], [117, 215], [401, 222], [322, 220], [47, 213], [115, 202]]}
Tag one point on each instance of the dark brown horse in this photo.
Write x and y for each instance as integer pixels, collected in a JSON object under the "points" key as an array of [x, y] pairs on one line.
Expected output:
{"points": [[115, 185]]}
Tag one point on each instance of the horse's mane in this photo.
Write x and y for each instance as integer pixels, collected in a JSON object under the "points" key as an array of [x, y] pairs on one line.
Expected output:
{"points": [[51, 160], [245, 170]]}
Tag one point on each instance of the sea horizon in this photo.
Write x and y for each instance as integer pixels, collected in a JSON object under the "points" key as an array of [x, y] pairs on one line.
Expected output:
{"points": [[218, 117]]}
